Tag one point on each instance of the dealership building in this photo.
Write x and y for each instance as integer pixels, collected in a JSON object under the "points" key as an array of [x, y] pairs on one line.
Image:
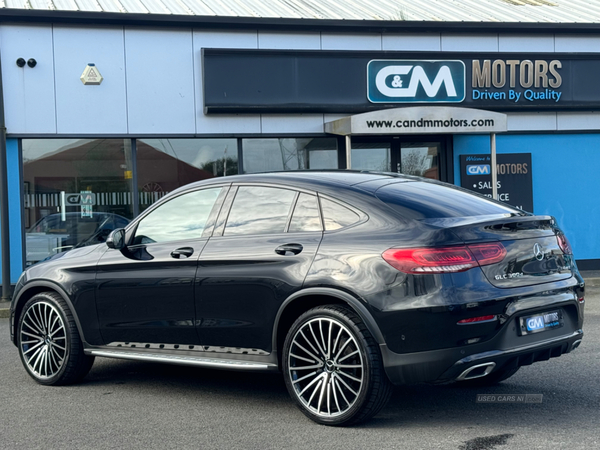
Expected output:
{"points": [[111, 104]]}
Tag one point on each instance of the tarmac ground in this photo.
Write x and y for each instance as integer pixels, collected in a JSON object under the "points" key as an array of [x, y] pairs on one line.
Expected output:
{"points": [[135, 405]]}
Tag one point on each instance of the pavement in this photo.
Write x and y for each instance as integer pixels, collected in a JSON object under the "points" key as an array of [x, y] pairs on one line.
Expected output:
{"points": [[4, 307]]}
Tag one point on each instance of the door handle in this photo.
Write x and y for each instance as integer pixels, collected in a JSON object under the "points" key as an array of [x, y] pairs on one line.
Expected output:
{"points": [[288, 249], [184, 252]]}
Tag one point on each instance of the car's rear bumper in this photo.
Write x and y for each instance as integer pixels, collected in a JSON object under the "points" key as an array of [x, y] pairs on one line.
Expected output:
{"points": [[448, 364]]}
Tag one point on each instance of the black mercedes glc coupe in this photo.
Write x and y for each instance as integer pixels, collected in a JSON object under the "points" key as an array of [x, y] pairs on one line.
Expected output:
{"points": [[346, 282]]}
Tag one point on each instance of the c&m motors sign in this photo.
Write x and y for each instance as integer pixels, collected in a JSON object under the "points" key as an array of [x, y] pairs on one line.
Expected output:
{"points": [[415, 81], [336, 82]]}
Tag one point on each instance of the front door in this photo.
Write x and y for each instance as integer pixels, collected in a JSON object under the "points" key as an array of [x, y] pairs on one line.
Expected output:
{"points": [[145, 293], [419, 156]]}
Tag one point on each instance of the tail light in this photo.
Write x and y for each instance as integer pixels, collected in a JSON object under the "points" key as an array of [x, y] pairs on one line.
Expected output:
{"points": [[444, 260], [564, 244], [479, 319]]}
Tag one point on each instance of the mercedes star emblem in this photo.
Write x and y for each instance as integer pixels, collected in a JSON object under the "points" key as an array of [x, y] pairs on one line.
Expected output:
{"points": [[538, 252]]}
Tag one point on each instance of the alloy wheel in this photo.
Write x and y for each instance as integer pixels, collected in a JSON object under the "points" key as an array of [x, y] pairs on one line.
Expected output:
{"points": [[326, 367], [43, 340]]}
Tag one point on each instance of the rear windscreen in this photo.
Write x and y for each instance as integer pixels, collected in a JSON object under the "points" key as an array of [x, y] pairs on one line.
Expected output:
{"points": [[422, 200]]}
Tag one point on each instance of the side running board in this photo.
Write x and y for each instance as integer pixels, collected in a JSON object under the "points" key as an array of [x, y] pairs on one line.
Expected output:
{"points": [[217, 363]]}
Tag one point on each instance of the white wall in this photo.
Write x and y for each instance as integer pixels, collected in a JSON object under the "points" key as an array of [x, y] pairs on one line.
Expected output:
{"points": [[89, 109], [29, 97], [153, 77]]}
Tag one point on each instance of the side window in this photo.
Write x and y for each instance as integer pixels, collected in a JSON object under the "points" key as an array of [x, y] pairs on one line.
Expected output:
{"points": [[259, 210], [337, 216], [183, 217], [306, 214]]}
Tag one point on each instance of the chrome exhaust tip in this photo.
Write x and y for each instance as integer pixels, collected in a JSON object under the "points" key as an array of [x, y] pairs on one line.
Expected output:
{"points": [[575, 344], [478, 371]]}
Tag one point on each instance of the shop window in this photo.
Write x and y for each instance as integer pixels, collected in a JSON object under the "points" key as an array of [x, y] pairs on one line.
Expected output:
{"points": [[183, 217], [166, 164], [259, 210], [374, 156], [266, 155], [75, 192]]}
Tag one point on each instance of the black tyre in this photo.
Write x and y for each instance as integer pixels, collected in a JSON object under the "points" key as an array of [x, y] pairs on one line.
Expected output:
{"points": [[492, 379], [332, 367], [49, 343]]}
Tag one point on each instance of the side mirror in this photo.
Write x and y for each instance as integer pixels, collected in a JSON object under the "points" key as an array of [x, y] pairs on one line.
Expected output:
{"points": [[116, 239]]}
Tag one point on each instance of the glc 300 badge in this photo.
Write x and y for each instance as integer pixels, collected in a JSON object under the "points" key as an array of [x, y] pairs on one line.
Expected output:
{"points": [[508, 276]]}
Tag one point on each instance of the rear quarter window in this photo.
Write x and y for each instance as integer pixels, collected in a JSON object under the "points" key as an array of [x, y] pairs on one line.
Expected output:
{"points": [[336, 215], [422, 200]]}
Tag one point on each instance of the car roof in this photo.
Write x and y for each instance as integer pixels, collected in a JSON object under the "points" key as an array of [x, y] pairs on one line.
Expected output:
{"points": [[367, 180]]}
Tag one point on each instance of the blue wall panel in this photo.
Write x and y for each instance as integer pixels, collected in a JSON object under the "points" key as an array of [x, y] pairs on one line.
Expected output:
{"points": [[566, 180], [14, 210]]}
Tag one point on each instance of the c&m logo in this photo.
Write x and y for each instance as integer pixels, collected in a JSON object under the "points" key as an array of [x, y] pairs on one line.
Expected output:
{"points": [[478, 169], [412, 81]]}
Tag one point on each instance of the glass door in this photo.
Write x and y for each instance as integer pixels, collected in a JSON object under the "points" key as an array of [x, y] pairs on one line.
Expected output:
{"points": [[420, 159], [416, 155]]}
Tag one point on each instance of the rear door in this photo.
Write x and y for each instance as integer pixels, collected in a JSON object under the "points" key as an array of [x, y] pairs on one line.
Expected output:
{"points": [[260, 253]]}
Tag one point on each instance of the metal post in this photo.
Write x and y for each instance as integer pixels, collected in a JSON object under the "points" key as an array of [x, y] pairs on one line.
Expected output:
{"points": [[348, 152], [4, 220], [494, 167], [135, 195], [63, 206]]}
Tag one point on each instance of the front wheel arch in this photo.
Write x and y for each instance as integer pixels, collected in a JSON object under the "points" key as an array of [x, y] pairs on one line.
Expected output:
{"points": [[33, 289]]}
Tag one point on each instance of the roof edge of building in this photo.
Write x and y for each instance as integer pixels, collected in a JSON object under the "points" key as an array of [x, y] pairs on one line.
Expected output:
{"points": [[14, 15]]}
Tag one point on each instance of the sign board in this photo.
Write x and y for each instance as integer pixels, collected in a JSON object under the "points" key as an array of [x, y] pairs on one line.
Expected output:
{"points": [[86, 203], [514, 177], [419, 120], [324, 81], [415, 81], [80, 199]]}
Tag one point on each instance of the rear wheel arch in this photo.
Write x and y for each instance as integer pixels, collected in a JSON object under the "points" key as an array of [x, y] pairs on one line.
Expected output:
{"points": [[300, 302], [36, 288]]}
